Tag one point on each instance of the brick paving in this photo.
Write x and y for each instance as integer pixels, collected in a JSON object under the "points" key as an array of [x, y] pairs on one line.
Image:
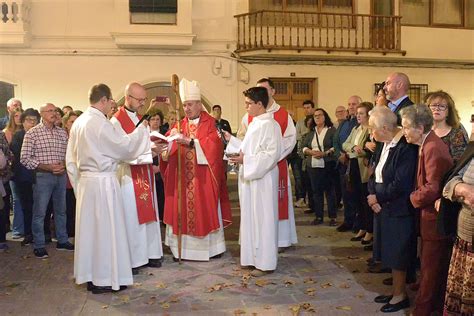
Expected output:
{"points": [[325, 274]]}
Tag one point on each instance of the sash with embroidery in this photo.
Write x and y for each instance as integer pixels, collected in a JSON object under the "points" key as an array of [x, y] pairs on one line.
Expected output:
{"points": [[281, 116], [142, 176]]}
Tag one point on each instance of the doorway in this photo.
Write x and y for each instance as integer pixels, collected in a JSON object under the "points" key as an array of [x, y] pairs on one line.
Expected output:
{"points": [[292, 92]]}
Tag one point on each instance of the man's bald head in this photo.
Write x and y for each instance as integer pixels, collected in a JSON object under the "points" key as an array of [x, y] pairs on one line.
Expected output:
{"points": [[352, 104], [135, 96], [396, 86]]}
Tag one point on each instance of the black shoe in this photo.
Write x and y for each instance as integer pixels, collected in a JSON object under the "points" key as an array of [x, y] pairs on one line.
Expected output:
{"points": [[369, 248], [154, 263], [366, 242], [358, 238], [105, 289], [391, 308], [67, 246], [40, 253], [317, 221], [343, 228], [28, 240], [217, 256], [388, 281], [379, 269], [383, 299], [332, 222]]}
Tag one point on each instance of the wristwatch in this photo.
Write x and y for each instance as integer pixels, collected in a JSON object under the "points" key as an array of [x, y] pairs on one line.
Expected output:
{"points": [[191, 143]]}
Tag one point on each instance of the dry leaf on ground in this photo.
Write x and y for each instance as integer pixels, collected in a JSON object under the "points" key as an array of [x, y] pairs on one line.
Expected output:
{"points": [[289, 282], [308, 307], [295, 309], [239, 312], [219, 286], [137, 284], [309, 281], [267, 307], [124, 299], [105, 306], [344, 286], [161, 285], [263, 282], [310, 291], [344, 308], [165, 305], [353, 257], [326, 285]]}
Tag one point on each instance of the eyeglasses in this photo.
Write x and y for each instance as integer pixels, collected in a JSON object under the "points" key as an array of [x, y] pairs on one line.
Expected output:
{"points": [[139, 100], [30, 119], [439, 107]]}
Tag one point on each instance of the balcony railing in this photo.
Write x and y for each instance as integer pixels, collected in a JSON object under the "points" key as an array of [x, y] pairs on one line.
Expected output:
{"points": [[289, 30], [14, 23]]}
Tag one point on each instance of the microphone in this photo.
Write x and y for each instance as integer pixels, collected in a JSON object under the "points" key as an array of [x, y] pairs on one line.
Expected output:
{"points": [[218, 126], [144, 117]]}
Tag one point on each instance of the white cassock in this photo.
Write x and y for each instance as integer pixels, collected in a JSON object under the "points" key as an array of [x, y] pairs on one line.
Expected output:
{"points": [[287, 228], [258, 192], [101, 254], [145, 239]]}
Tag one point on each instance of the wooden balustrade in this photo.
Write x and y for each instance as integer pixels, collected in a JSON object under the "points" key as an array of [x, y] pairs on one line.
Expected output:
{"points": [[289, 30], [14, 23]]}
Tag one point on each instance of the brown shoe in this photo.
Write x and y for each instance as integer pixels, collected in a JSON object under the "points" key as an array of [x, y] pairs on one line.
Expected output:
{"points": [[258, 273]]}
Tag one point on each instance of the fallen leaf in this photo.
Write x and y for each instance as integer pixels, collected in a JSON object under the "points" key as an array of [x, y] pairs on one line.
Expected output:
{"points": [[267, 307], [344, 286], [353, 257], [344, 308], [173, 299], [295, 309], [137, 284], [105, 306], [150, 273], [124, 299], [219, 286], [326, 285], [360, 295], [289, 282], [161, 285], [239, 312], [211, 299], [151, 301], [309, 281], [165, 305], [263, 282], [310, 291], [308, 307]]}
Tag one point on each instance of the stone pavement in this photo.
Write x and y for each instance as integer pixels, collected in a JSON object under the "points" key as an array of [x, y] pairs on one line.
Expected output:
{"points": [[325, 274]]}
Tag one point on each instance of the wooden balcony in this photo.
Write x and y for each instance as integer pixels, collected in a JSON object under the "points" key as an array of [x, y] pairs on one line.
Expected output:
{"points": [[290, 30]]}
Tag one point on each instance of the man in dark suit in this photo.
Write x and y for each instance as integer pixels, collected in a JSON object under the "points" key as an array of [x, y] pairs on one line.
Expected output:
{"points": [[223, 124], [396, 89]]}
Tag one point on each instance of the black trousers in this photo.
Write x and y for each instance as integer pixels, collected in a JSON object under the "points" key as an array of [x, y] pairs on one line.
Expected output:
{"points": [[70, 212], [25, 192]]}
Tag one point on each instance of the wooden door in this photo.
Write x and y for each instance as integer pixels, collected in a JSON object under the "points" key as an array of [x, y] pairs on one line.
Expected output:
{"points": [[292, 92], [382, 29]]}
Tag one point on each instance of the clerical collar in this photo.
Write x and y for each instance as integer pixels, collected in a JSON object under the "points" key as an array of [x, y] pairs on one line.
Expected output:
{"points": [[129, 110], [194, 120]]}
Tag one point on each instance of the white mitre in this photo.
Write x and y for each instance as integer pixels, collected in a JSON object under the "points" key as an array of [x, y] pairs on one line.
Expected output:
{"points": [[189, 90]]}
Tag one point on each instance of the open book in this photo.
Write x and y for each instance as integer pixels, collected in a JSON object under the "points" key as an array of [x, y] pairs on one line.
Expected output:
{"points": [[157, 136]]}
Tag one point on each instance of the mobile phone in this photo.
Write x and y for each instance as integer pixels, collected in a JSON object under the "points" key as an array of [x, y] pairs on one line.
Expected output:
{"points": [[161, 98]]}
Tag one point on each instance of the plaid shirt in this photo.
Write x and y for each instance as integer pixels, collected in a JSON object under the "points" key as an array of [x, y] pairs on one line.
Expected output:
{"points": [[43, 146]]}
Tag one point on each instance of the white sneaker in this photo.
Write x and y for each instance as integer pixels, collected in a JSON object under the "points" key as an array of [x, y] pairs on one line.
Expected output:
{"points": [[300, 203]]}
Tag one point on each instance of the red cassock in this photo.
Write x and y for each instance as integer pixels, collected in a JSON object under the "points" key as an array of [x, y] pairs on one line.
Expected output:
{"points": [[202, 185]]}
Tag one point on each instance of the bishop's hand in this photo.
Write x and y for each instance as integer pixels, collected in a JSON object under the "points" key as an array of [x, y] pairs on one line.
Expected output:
{"points": [[237, 159]]}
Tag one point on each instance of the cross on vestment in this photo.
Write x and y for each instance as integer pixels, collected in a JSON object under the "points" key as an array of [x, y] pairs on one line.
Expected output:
{"points": [[281, 189]]}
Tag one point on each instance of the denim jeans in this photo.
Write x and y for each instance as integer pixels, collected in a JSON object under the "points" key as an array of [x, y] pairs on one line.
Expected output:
{"points": [[49, 186], [18, 221]]}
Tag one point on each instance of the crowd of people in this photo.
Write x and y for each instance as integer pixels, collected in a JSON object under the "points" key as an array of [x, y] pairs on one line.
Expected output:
{"points": [[388, 163], [402, 173]]}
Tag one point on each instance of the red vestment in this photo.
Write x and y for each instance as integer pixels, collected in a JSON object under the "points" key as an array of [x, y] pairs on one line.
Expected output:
{"points": [[203, 186], [142, 176], [281, 116]]}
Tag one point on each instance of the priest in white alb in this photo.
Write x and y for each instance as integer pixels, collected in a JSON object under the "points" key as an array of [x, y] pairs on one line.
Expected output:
{"points": [[259, 154], [137, 180], [287, 227], [95, 147], [204, 201]]}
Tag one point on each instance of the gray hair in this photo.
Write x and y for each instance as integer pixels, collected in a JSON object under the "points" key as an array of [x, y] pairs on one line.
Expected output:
{"points": [[383, 116], [13, 100], [418, 114]]}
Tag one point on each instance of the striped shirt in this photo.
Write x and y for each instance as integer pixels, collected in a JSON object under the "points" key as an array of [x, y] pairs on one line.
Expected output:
{"points": [[43, 145]]}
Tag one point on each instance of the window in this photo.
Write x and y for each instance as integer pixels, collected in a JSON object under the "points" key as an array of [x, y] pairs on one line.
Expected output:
{"points": [[438, 13], [153, 11]]}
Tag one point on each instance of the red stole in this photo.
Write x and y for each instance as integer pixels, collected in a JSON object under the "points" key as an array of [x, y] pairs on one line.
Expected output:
{"points": [[281, 116], [141, 175]]}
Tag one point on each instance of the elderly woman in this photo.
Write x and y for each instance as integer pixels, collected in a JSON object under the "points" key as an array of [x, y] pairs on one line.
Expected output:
{"points": [[460, 191], [359, 173], [434, 161], [155, 120], [389, 195], [321, 165], [446, 123]]}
